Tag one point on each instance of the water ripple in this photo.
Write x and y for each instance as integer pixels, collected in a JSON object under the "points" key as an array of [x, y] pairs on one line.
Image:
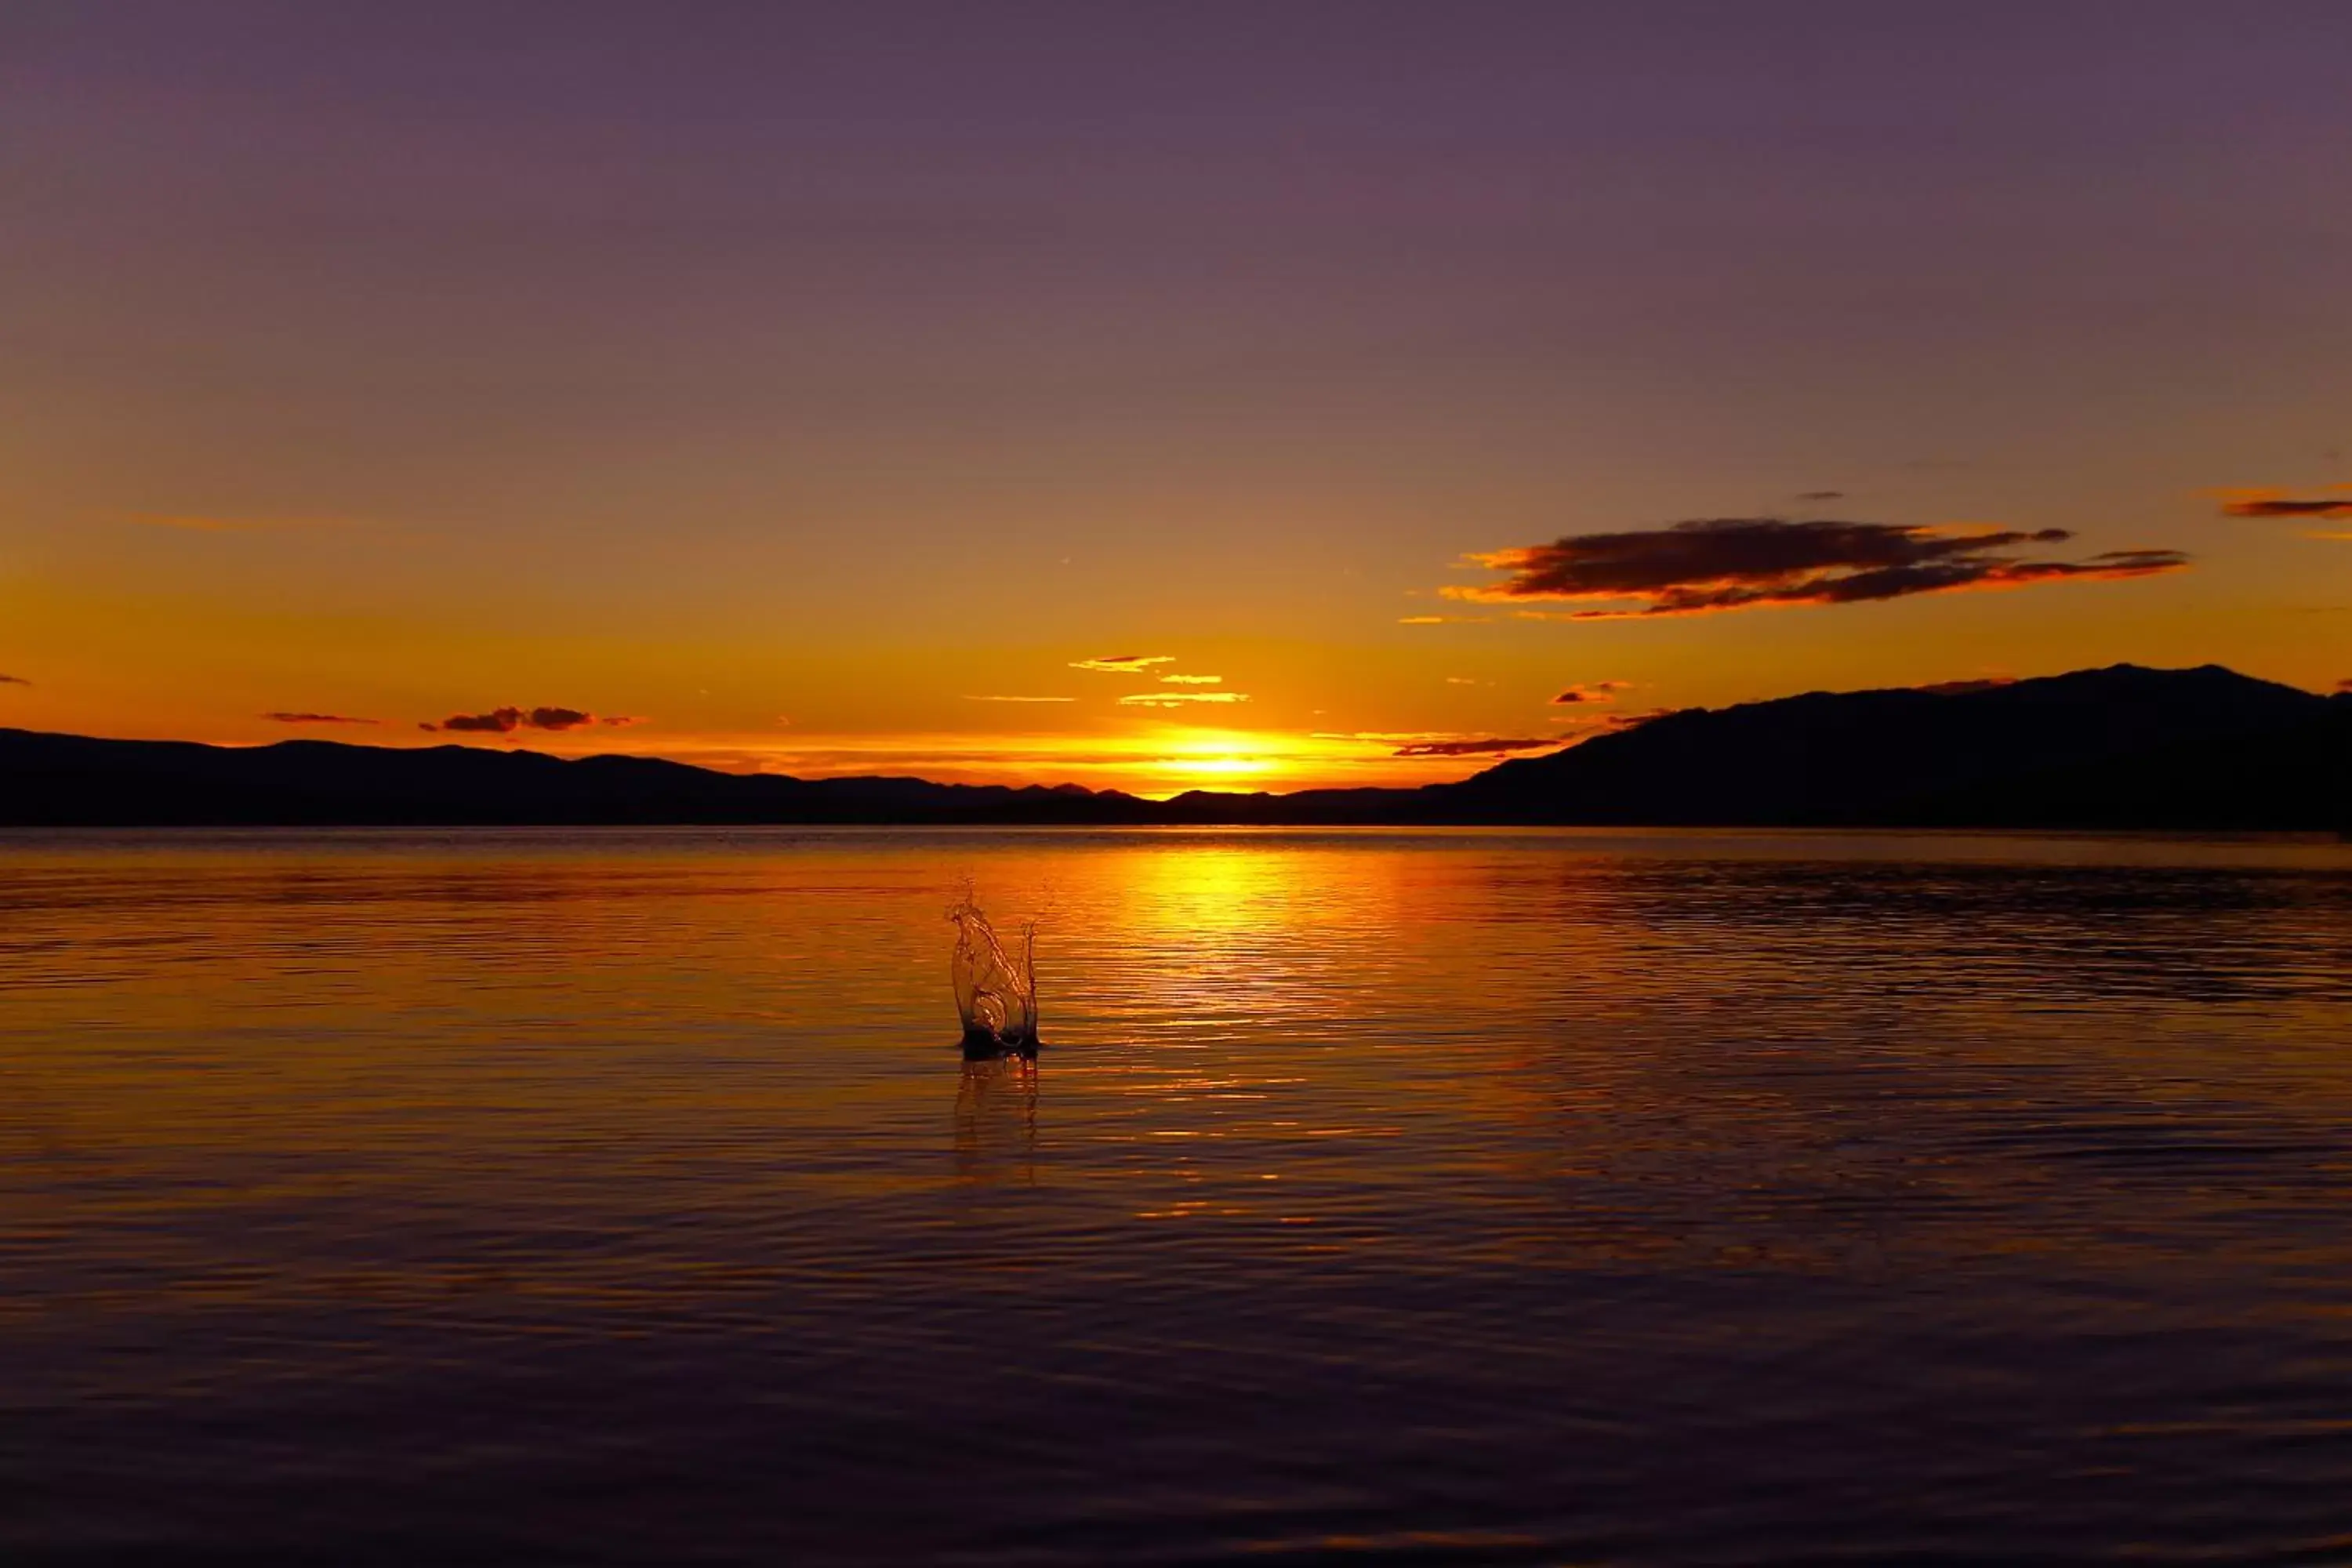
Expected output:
{"points": [[1383, 1197]]}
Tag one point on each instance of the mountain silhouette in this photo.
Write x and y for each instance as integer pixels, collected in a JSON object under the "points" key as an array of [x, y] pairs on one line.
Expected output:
{"points": [[2124, 747], [2121, 747]]}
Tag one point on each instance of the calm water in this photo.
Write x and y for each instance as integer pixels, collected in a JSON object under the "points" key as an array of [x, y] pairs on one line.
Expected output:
{"points": [[1395, 1197]]}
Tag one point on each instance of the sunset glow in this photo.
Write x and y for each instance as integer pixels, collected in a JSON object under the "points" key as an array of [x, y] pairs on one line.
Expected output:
{"points": [[895, 434], [1155, 762]]}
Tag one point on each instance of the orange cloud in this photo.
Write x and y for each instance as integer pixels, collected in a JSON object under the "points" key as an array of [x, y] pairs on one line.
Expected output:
{"points": [[1442, 620], [1737, 564], [1020, 699], [1193, 680], [1123, 663], [14, 680], [1179, 699], [317, 718]]}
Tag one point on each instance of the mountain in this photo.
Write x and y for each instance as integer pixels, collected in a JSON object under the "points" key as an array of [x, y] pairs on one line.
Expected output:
{"points": [[2116, 748], [2121, 747], [72, 779]]}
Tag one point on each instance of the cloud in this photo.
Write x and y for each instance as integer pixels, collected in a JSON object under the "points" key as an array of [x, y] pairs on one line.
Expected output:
{"points": [[1821, 495], [1442, 620], [2278, 504], [1592, 691], [558, 719], [2343, 686], [621, 721], [317, 718], [1441, 742], [1193, 680], [497, 721], [1123, 663], [1020, 699], [14, 680], [1179, 699], [505, 721], [1744, 562], [1487, 746]]}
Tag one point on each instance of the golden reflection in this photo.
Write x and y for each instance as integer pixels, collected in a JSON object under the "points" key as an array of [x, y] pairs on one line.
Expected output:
{"points": [[1227, 887], [996, 1122], [1632, 1052]]}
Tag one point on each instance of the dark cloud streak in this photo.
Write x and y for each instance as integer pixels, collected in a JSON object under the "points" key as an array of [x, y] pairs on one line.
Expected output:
{"points": [[507, 721], [2272, 503], [1737, 563], [497, 721], [1476, 748], [558, 719]]}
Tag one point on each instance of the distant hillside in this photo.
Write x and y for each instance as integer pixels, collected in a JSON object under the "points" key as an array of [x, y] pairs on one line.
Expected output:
{"points": [[70, 780], [2122, 747]]}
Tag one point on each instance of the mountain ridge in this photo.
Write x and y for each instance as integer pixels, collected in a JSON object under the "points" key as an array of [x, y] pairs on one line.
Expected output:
{"points": [[2122, 746]]}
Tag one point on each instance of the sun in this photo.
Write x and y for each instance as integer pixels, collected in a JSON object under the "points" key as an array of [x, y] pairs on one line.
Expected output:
{"points": [[1224, 767], [1217, 757]]}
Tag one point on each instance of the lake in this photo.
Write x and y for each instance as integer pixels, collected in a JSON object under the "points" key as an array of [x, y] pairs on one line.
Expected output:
{"points": [[1380, 1196]]}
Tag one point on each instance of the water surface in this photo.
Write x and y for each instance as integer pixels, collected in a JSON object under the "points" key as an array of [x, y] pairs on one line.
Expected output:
{"points": [[1382, 1196]]}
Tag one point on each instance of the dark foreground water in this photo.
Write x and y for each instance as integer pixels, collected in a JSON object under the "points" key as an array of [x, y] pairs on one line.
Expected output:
{"points": [[1466, 1197]]}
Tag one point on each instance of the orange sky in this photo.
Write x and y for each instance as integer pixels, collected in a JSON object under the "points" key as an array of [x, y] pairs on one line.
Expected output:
{"points": [[796, 406]]}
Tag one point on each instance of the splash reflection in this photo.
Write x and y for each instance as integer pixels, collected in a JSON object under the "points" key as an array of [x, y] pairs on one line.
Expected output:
{"points": [[996, 1122]]}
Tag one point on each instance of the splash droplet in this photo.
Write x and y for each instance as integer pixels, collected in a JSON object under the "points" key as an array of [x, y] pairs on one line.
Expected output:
{"points": [[995, 990]]}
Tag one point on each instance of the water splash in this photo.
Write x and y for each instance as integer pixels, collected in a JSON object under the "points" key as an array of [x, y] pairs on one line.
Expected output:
{"points": [[995, 990]]}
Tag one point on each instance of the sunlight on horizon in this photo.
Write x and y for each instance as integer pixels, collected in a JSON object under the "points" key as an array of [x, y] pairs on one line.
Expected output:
{"points": [[1154, 764]]}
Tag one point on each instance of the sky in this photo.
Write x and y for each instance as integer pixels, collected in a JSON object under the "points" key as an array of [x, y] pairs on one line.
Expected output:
{"points": [[1153, 396]]}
